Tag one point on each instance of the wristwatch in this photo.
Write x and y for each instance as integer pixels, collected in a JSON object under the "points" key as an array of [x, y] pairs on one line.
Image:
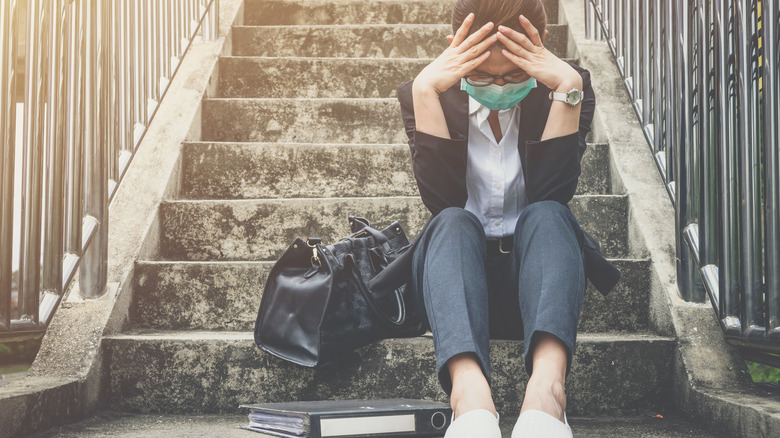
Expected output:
{"points": [[572, 97]]}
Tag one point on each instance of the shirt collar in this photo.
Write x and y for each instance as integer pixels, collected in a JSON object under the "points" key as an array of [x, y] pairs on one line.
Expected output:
{"points": [[481, 112], [474, 105]]}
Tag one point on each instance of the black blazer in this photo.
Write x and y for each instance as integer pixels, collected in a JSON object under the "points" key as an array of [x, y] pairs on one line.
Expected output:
{"points": [[551, 168]]}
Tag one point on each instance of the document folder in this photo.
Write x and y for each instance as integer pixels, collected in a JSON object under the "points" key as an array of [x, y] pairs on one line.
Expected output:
{"points": [[350, 418]]}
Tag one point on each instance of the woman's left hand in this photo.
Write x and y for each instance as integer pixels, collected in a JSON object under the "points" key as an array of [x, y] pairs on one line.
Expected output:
{"points": [[528, 53]]}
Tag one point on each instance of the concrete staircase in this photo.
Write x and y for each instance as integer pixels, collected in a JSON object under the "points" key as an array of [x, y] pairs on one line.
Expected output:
{"points": [[304, 131]]}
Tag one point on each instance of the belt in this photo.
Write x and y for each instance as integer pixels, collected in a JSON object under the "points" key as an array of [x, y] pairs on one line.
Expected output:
{"points": [[500, 245]]}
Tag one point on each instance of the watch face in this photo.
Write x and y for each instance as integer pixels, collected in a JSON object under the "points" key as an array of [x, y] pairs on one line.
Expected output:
{"points": [[573, 97]]}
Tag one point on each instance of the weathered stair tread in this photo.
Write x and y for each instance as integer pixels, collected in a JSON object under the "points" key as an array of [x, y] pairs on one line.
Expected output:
{"points": [[292, 170], [126, 425], [241, 77], [275, 12], [156, 371], [226, 296], [331, 120], [303, 120], [361, 40], [315, 77], [261, 229], [245, 335]]}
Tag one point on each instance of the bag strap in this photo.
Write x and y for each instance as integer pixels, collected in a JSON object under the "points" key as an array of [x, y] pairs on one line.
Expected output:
{"points": [[381, 239], [357, 223], [351, 267]]}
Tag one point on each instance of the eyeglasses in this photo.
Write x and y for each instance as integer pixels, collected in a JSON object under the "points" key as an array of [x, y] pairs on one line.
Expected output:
{"points": [[485, 79]]}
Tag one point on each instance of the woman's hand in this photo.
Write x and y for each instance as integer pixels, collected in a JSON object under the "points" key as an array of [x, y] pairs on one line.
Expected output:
{"points": [[462, 56], [528, 53]]}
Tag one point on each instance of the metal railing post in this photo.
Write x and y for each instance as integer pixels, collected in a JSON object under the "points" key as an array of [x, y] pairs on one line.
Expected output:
{"points": [[75, 135], [749, 155], [55, 147], [32, 161], [92, 272], [658, 81], [771, 132], [728, 268], [646, 69], [8, 44], [588, 19], [708, 208]]}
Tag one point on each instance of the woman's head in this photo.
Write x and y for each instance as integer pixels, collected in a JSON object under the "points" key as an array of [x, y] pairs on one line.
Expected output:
{"points": [[500, 12]]}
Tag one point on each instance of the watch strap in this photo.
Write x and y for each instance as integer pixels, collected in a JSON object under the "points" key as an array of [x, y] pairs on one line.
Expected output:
{"points": [[555, 95], [563, 97]]}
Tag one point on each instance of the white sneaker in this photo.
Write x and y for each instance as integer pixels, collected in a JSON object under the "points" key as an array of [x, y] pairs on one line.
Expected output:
{"points": [[534, 423], [477, 423]]}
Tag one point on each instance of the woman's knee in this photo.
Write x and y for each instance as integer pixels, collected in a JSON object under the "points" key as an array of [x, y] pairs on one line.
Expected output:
{"points": [[545, 213], [550, 218], [457, 220]]}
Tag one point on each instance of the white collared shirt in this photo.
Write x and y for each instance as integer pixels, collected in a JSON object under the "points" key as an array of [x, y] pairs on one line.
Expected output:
{"points": [[494, 174]]}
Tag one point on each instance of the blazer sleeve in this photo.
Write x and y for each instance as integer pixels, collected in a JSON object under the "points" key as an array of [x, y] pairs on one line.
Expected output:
{"points": [[553, 165], [438, 163]]}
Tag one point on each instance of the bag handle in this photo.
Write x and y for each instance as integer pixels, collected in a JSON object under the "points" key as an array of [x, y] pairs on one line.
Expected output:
{"points": [[357, 223], [380, 238], [351, 267]]}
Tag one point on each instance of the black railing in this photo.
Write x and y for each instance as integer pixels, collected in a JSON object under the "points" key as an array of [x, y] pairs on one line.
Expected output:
{"points": [[703, 79]]}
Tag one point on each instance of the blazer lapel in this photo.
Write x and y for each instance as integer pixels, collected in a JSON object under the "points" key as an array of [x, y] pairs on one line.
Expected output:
{"points": [[455, 104], [534, 110]]}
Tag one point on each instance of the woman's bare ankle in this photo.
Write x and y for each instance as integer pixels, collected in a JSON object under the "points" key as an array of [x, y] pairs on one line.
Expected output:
{"points": [[545, 395], [471, 391]]}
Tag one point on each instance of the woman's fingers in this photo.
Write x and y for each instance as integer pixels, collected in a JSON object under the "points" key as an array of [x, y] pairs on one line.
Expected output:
{"points": [[517, 38], [449, 38], [474, 63], [483, 45], [460, 35], [510, 44], [475, 37], [533, 33], [519, 61]]}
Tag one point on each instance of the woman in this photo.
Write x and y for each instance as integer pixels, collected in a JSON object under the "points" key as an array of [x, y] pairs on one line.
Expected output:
{"points": [[497, 158]]}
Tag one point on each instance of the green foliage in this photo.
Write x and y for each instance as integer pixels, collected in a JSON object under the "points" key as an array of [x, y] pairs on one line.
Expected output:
{"points": [[19, 352], [13, 369], [763, 373]]}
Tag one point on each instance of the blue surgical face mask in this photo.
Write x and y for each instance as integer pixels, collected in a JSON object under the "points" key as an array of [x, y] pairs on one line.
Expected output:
{"points": [[499, 97]]}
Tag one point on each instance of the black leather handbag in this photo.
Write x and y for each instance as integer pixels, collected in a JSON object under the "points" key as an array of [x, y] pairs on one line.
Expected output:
{"points": [[316, 304]]}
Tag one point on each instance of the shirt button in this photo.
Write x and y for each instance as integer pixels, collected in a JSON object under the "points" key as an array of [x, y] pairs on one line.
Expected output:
{"points": [[495, 151], [498, 186], [498, 222]]}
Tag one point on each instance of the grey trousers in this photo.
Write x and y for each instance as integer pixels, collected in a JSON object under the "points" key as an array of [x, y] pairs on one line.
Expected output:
{"points": [[468, 296]]}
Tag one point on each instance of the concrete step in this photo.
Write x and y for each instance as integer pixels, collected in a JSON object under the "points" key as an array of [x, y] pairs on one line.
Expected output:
{"points": [[204, 372], [126, 425], [276, 12], [303, 120], [299, 120], [226, 296], [361, 40], [292, 170], [263, 229], [315, 77]]}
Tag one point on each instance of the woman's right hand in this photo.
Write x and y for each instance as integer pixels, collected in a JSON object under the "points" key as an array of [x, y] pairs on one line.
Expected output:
{"points": [[462, 56]]}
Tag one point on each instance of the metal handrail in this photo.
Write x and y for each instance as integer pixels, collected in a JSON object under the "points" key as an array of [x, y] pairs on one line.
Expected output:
{"points": [[703, 79], [94, 74]]}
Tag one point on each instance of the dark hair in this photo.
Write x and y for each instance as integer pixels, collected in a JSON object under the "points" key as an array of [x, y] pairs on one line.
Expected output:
{"points": [[500, 12]]}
